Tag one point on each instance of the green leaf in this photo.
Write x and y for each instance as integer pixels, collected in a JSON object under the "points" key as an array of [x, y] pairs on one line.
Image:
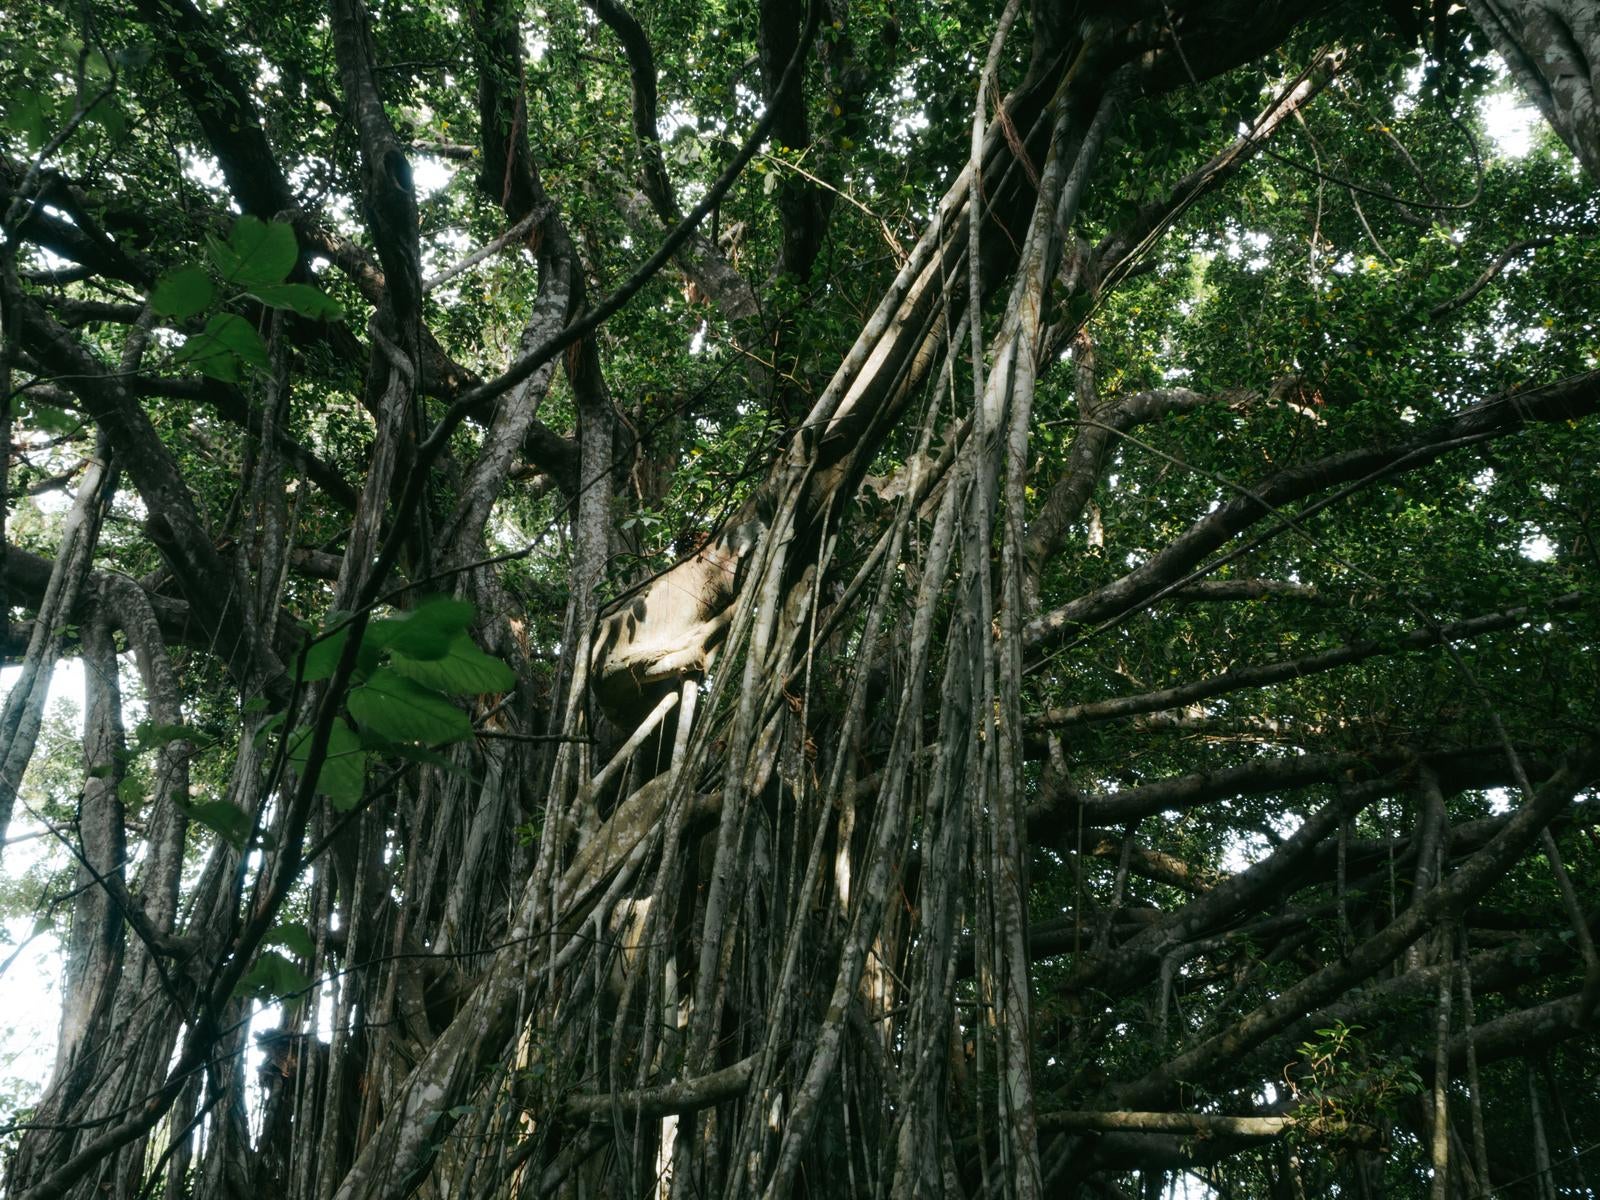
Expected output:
{"points": [[321, 657], [51, 419], [427, 631], [294, 937], [183, 293], [411, 753], [343, 776], [299, 298], [397, 708], [29, 115], [463, 670], [227, 341], [256, 252], [272, 977], [227, 821], [133, 57], [150, 735], [130, 791], [109, 117], [267, 726]]}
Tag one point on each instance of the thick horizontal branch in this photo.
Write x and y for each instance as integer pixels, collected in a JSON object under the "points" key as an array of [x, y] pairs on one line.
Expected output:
{"points": [[229, 403], [1457, 768], [1207, 1125], [76, 236], [1204, 787], [1452, 895], [1211, 591], [1266, 674], [1526, 1031], [689, 1095], [1565, 399], [27, 575]]}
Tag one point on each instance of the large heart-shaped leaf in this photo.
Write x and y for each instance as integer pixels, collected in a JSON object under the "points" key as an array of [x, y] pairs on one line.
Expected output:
{"points": [[427, 631], [343, 776], [256, 252], [299, 298], [183, 293], [227, 341], [403, 711], [463, 670]]}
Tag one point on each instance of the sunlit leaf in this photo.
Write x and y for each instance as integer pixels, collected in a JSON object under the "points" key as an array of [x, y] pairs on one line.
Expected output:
{"points": [[427, 631]]}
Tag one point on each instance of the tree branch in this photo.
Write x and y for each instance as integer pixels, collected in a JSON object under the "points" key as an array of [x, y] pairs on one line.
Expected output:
{"points": [[1564, 399], [1266, 674]]}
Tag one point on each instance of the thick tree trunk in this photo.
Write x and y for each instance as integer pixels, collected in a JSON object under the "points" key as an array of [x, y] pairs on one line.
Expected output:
{"points": [[1553, 50]]}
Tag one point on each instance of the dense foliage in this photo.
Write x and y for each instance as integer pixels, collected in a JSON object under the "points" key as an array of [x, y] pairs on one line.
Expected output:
{"points": [[841, 600]]}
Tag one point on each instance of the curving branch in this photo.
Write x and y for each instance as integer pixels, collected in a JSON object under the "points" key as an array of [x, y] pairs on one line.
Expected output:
{"points": [[203, 68], [1500, 262], [699, 258], [1565, 399], [1086, 459], [1552, 47], [174, 525], [1470, 880], [1266, 674]]}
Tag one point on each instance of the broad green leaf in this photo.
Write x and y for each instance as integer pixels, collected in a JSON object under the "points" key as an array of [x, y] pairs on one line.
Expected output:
{"points": [[229, 822], [397, 708], [227, 341], [292, 936], [256, 252], [183, 293], [343, 777], [411, 753], [300, 298], [51, 419], [427, 631], [272, 977], [109, 117], [95, 64], [321, 657], [130, 791], [150, 735], [463, 670], [28, 113]]}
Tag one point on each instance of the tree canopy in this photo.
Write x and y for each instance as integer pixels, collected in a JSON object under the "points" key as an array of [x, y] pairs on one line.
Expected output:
{"points": [[831, 599]]}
